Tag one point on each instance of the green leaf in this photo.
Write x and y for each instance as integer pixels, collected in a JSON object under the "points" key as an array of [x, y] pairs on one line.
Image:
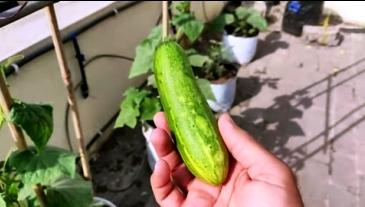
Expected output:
{"points": [[205, 88], [69, 192], [2, 202], [150, 106], [190, 51], [179, 7], [218, 23], [257, 21], [151, 81], [35, 119], [193, 29], [130, 107], [43, 167], [198, 60], [243, 12], [144, 53], [189, 25]]}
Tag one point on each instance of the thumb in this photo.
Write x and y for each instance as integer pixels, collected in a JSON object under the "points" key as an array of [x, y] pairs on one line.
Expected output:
{"points": [[241, 145]]}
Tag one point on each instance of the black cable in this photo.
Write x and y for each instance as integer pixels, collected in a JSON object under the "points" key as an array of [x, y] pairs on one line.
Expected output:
{"points": [[67, 130]]}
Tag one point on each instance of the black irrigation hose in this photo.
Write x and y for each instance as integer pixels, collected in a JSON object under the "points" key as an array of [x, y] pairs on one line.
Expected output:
{"points": [[67, 130]]}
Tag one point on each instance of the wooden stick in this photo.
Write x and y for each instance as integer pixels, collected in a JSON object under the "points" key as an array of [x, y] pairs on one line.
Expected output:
{"points": [[6, 102], [38, 189], [165, 20], [66, 76]]}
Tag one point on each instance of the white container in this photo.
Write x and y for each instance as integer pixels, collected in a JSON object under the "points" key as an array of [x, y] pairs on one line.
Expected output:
{"points": [[224, 94], [243, 49], [151, 152], [102, 201]]}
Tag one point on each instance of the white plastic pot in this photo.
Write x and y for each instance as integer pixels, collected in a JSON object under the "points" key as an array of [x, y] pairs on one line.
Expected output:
{"points": [[243, 49], [224, 94], [151, 152], [103, 202]]}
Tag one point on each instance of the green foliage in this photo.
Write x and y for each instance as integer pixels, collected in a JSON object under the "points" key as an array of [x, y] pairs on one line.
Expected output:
{"points": [[69, 192], [10, 186], [137, 104], [205, 88], [35, 119], [244, 21], [5, 64], [218, 23], [211, 63], [142, 63], [42, 167], [185, 22]]}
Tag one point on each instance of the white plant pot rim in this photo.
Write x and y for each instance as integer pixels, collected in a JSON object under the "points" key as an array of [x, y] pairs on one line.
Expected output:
{"points": [[104, 201], [226, 34]]}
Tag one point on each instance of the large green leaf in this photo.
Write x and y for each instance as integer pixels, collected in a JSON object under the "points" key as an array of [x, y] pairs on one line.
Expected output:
{"points": [[218, 23], [35, 119], [257, 21], [66, 192], [144, 53], [198, 60], [243, 12], [150, 106], [189, 25], [205, 88], [130, 107], [43, 167], [193, 29]]}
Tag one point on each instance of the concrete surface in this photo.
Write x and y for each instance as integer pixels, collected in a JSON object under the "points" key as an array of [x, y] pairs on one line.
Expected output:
{"points": [[307, 105]]}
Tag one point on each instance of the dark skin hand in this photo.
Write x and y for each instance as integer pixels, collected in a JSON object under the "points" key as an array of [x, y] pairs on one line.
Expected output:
{"points": [[256, 177]]}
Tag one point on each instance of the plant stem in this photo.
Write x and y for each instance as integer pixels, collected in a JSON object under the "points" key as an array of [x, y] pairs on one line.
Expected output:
{"points": [[165, 20], [6, 102], [38, 189], [66, 76]]}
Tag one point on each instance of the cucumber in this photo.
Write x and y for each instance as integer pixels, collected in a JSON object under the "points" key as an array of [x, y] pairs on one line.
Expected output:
{"points": [[189, 117]]}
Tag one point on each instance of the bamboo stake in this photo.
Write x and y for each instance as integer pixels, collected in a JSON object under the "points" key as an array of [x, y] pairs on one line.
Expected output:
{"points": [[66, 76], [6, 103], [38, 189], [165, 20]]}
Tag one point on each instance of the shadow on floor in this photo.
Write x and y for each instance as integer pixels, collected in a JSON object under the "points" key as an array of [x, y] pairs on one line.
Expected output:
{"points": [[270, 44], [273, 126]]}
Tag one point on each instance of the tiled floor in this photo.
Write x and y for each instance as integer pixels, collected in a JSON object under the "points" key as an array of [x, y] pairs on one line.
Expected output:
{"points": [[308, 107]]}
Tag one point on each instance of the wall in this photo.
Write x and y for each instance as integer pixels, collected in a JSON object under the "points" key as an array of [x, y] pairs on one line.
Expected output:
{"points": [[40, 81]]}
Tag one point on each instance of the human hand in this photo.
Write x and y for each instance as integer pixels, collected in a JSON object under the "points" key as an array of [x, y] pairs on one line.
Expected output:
{"points": [[256, 177]]}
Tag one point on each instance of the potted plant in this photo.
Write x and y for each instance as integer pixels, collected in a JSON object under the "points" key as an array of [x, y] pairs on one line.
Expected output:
{"points": [[141, 104], [212, 64], [38, 175], [242, 27]]}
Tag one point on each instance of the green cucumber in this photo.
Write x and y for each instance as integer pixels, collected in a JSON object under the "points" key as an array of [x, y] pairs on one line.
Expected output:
{"points": [[189, 117]]}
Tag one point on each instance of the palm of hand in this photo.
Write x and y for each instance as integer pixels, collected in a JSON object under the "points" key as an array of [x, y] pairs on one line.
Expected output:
{"points": [[249, 182]]}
